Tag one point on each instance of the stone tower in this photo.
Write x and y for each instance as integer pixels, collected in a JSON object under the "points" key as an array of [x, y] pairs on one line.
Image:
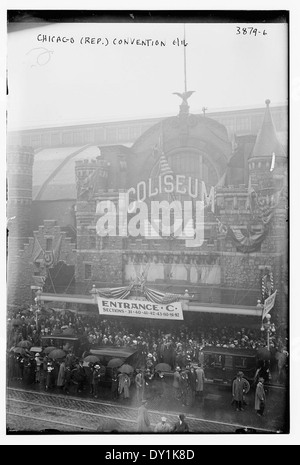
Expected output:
{"points": [[19, 202]]}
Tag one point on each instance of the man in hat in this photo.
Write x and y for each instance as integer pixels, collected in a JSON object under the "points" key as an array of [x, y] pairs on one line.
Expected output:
{"points": [[260, 397], [200, 381], [177, 383], [96, 380], [240, 387], [114, 385], [143, 421], [181, 425], [163, 426]]}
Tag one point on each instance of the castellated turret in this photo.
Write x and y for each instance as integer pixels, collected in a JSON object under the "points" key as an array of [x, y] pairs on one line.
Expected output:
{"points": [[19, 203], [268, 160]]}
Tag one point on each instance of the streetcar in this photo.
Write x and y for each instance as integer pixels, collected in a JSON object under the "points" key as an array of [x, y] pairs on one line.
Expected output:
{"points": [[77, 344], [127, 355], [222, 364]]}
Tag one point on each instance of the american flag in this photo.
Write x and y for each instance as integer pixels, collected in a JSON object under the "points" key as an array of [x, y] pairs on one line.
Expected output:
{"points": [[164, 167]]}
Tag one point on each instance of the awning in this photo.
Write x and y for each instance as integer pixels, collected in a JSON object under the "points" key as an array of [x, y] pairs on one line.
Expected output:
{"points": [[187, 307]]}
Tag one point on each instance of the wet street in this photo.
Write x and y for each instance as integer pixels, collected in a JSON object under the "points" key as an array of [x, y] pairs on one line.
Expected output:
{"points": [[34, 410]]}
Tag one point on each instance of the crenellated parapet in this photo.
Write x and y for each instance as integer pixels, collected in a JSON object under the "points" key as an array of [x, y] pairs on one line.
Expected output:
{"points": [[91, 175]]}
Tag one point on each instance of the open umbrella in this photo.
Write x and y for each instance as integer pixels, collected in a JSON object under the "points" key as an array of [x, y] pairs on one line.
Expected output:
{"points": [[24, 344], [115, 363], [57, 353], [20, 350], [49, 349], [91, 359], [163, 367], [126, 369], [36, 349]]}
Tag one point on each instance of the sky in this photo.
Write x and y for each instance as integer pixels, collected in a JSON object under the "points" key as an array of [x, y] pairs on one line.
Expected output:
{"points": [[57, 83]]}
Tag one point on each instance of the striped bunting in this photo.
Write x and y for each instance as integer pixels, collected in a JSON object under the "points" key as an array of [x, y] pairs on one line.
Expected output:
{"points": [[115, 292], [160, 297]]}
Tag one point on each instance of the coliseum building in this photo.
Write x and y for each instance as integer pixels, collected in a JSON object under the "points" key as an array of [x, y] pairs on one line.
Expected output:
{"points": [[58, 176]]}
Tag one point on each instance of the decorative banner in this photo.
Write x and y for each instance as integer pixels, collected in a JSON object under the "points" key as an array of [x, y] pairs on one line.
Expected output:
{"points": [[140, 309], [49, 258], [269, 304]]}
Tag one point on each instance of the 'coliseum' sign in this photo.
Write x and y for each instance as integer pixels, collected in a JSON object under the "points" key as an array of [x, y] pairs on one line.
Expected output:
{"points": [[182, 219]]}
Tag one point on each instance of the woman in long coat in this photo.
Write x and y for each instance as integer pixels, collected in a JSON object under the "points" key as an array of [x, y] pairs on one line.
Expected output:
{"points": [[200, 380], [126, 386], [260, 397], [143, 421]]}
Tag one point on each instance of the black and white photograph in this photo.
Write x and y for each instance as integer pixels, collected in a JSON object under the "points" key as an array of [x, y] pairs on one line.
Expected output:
{"points": [[147, 224]]}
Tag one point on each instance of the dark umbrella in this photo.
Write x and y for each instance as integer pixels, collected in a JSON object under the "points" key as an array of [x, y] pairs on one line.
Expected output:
{"points": [[24, 344], [17, 322], [115, 363], [68, 332], [49, 349], [57, 353], [26, 312], [126, 369], [263, 353], [20, 350], [163, 367], [91, 359]]}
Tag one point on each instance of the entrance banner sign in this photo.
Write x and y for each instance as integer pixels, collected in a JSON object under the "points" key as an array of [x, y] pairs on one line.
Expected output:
{"points": [[140, 309]]}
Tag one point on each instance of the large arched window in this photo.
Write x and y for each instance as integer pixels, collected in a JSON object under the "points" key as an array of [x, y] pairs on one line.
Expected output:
{"points": [[190, 163]]}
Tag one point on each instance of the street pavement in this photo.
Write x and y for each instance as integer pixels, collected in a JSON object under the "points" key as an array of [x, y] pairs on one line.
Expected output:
{"points": [[33, 409]]}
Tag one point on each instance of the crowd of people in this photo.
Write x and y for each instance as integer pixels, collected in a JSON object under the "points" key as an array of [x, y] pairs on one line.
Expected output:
{"points": [[179, 346]]}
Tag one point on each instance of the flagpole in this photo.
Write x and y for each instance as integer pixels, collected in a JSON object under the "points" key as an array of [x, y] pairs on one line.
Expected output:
{"points": [[184, 60]]}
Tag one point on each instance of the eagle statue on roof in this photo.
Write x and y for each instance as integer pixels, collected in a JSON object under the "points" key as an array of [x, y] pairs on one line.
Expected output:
{"points": [[184, 95]]}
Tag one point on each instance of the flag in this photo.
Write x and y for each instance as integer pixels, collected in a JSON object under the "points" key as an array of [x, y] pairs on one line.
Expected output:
{"points": [[269, 304], [164, 167], [222, 180], [273, 162], [249, 196], [222, 228], [37, 250], [56, 250], [39, 281]]}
